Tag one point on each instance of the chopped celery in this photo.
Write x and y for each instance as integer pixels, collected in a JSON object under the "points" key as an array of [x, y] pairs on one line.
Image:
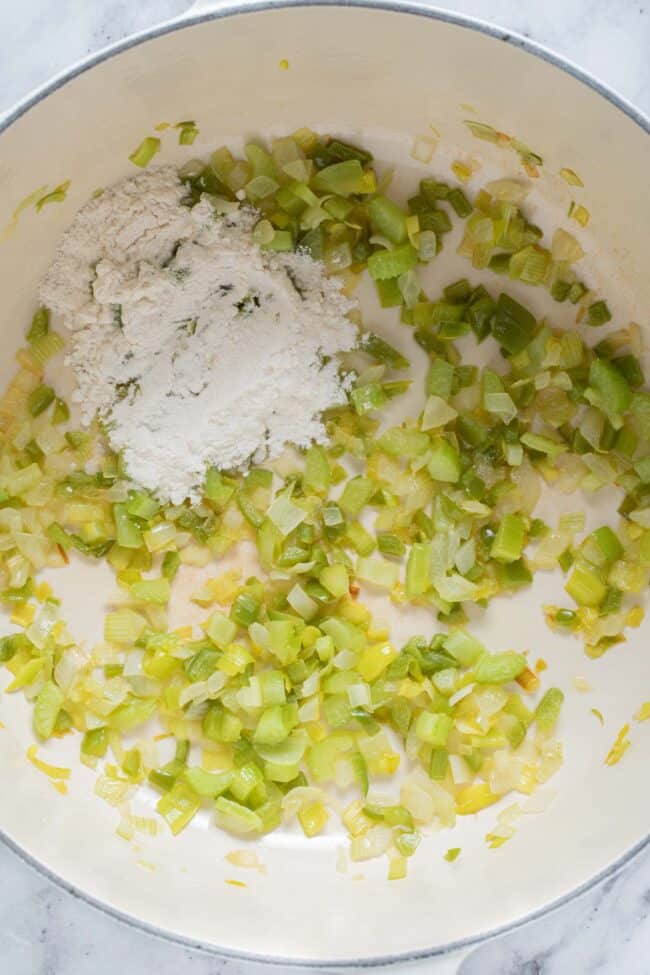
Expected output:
{"points": [[443, 461], [317, 476], [128, 534], [39, 399], [513, 325], [387, 219], [433, 728], [548, 709], [343, 178], [418, 569], [40, 325], [145, 152], [367, 398], [464, 647], [611, 386], [47, 706], [152, 590], [585, 587], [384, 264], [403, 442], [509, 540], [440, 379], [356, 494], [598, 313], [497, 668], [381, 351]]}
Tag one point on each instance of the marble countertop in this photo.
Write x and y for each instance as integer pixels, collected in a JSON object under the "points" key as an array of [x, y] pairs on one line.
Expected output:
{"points": [[45, 931]]}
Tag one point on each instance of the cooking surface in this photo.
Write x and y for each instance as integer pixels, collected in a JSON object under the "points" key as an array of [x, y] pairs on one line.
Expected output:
{"points": [[51, 932]]}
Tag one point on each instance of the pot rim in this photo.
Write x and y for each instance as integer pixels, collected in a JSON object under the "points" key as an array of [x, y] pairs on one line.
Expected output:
{"points": [[192, 18]]}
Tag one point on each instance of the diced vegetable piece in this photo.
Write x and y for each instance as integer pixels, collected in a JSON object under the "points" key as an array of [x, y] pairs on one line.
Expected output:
{"points": [[384, 264], [444, 462], [548, 709], [513, 326], [610, 384], [509, 540], [47, 707], [498, 668], [585, 587], [387, 219], [145, 152], [433, 728]]}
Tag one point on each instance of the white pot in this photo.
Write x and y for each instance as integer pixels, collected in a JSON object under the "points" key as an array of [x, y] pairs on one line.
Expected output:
{"points": [[380, 74]]}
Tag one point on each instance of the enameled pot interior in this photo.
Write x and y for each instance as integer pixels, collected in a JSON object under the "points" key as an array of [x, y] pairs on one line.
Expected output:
{"points": [[380, 77]]}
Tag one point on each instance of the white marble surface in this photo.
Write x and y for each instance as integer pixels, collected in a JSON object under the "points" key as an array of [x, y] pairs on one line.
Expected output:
{"points": [[44, 931]]}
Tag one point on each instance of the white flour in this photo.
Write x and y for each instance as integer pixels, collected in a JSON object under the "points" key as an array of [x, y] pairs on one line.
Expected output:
{"points": [[195, 347]]}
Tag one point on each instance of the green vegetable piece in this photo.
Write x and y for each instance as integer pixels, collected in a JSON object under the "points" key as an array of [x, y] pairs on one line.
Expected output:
{"points": [[387, 219], [384, 264], [381, 351], [367, 398], [390, 544], [145, 152], [317, 477], [611, 385], [61, 412], [598, 314], [245, 609], [513, 325], [235, 818], [514, 575], [439, 765], [360, 770], [57, 195], [498, 668], [142, 505], [342, 178], [188, 131], [444, 462], [128, 535], [95, 742], [335, 579], [39, 399], [389, 293], [170, 565], [566, 617], [433, 728], [356, 494], [509, 540], [132, 713], [548, 710], [220, 725], [418, 569], [608, 543], [152, 591], [208, 784], [403, 442], [459, 202], [47, 705], [464, 647], [440, 379], [585, 587], [218, 488], [40, 325]]}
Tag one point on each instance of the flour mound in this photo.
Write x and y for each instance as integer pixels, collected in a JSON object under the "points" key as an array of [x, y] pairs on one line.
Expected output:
{"points": [[195, 347]]}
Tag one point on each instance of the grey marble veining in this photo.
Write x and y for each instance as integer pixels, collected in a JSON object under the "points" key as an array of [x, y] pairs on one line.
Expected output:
{"points": [[45, 931]]}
